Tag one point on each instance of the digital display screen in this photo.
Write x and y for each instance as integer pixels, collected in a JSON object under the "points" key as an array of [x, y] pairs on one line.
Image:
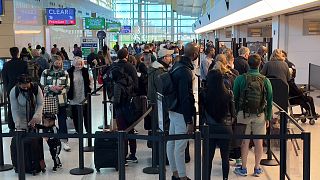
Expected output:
{"points": [[1, 7], [1, 64], [125, 29], [95, 23], [61, 16], [113, 27]]}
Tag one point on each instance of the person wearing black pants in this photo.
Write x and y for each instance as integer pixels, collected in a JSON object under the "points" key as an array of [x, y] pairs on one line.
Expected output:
{"points": [[218, 110], [75, 119]]}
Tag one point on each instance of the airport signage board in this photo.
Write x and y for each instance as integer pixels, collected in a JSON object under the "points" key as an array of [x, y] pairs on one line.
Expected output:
{"points": [[61, 16], [87, 44], [125, 29], [95, 23], [1, 8], [113, 27]]}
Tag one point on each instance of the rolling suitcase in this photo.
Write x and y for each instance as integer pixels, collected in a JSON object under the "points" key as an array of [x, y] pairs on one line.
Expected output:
{"points": [[33, 155], [105, 152]]}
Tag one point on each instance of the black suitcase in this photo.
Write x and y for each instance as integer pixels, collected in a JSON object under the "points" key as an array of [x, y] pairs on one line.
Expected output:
{"points": [[33, 155], [105, 152]]}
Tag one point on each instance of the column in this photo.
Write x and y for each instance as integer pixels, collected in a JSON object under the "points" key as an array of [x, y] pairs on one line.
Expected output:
{"points": [[6, 29]]}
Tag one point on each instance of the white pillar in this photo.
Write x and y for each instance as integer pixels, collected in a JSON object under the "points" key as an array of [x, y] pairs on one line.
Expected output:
{"points": [[279, 32]]}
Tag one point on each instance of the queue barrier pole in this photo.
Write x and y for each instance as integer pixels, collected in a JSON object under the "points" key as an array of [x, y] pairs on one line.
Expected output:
{"points": [[20, 154], [205, 152], [95, 76], [121, 154], [81, 170], [306, 154], [89, 148], [3, 167], [162, 154], [197, 155], [269, 161]]}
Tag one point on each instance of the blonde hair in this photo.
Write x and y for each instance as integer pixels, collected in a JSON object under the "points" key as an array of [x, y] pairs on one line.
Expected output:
{"points": [[244, 50], [221, 63], [76, 60], [277, 55]]}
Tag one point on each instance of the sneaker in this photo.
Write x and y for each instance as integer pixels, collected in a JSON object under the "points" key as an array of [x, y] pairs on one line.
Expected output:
{"points": [[238, 162], [132, 158], [66, 147], [241, 171], [257, 172]]}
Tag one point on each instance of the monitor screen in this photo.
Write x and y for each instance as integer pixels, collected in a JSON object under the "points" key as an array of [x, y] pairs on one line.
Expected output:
{"points": [[1, 7], [126, 29], [1, 64], [95, 23], [113, 27], [61, 16]]}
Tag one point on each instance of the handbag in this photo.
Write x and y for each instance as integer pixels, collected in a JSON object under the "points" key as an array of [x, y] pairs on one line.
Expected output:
{"points": [[51, 105]]}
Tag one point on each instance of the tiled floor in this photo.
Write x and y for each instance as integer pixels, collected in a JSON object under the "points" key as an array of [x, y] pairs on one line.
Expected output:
{"points": [[134, 171]]}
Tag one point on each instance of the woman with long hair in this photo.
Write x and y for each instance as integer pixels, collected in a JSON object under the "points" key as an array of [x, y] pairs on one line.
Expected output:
{"points": [[106, 55], [218, 112]]}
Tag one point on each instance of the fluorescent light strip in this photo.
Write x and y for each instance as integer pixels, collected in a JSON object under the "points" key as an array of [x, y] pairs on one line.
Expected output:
{"points": [[27, 32], [261, 8]]}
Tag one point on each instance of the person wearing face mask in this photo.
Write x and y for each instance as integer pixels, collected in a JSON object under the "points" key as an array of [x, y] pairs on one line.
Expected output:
{"points": [[79, 88], [241, 62], [56, 82], [26, 103], [182, 116]]}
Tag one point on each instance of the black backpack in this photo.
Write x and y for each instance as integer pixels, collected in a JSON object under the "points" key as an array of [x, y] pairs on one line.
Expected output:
{"points": [[112, 75], [166, 87]]}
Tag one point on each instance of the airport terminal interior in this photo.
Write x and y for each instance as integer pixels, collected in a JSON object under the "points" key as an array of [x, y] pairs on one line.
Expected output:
{"points": [[227, 39]]}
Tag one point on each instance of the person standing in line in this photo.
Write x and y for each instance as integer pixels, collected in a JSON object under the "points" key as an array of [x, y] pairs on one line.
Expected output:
{"points": [[79, 89], [253, 103], [116, 47], [206, 62], [11, 70], [65, 54], [182, 116], [241, 62], [56, 82]]}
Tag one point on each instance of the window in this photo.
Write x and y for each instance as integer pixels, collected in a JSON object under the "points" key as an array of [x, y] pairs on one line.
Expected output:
{"points": [[311, 27]]}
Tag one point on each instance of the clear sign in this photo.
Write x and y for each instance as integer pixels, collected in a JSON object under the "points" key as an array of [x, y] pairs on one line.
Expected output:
{"points": [[95, 23], [61, 16]]}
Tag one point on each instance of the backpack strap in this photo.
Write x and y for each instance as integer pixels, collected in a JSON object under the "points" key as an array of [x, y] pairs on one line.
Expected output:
{"points": [[34, 88]]}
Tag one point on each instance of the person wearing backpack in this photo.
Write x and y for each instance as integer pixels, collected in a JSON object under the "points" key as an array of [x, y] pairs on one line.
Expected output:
{"points": [[253, 102], [37, 65], [24, 94], [183, 113], [125, 83], [11, 70]]}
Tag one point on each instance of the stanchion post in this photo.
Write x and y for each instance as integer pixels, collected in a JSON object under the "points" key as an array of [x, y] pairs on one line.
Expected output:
{"points": [[3, 167], [81, 170], [162, 158], [105, 111], [95, 75], [306, 154], [20, 154], [269, 161], [197, 155], [205, 152], [153, 169], [121, 155], [283, 145], [89, 148]]}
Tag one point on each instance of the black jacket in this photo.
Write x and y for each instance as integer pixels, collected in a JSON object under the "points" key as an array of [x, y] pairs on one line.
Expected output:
{"points": [[11, 70], [90, 59], [131, 71], [241, 65], [86, 82], [182, 79]]}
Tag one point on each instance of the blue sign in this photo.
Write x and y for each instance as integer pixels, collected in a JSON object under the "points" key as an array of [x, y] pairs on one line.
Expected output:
{"points": [[61, 16], [125, 29], [1, 7]]}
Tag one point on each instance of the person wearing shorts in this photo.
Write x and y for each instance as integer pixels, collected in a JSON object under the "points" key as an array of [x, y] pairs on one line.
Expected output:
{"points": [[255, 123]]}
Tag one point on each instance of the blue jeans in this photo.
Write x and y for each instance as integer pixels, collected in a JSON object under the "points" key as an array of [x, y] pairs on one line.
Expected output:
{"points": [[62, 121]]}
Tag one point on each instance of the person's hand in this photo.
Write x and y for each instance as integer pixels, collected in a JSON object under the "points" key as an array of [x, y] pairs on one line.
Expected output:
{"points": [[95, 62], [33, 122], [190, 128], [267, 124], [59, 88]]}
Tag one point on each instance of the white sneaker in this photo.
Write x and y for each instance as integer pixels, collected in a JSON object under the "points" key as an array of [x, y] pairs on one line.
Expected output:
{"points": [[66, 147]]}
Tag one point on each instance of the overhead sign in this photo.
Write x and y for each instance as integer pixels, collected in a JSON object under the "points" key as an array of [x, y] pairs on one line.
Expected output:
{"points": [[1, 8], [125, 29], [61, 16], [95, 23], [113, 27], [87, 44]]}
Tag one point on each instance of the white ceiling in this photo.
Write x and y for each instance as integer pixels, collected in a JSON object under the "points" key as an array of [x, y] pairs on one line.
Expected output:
{"points": [[184, 7]]}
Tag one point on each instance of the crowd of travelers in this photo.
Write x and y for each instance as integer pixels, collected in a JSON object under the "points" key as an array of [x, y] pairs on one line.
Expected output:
{"points": [[234, 91]]}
